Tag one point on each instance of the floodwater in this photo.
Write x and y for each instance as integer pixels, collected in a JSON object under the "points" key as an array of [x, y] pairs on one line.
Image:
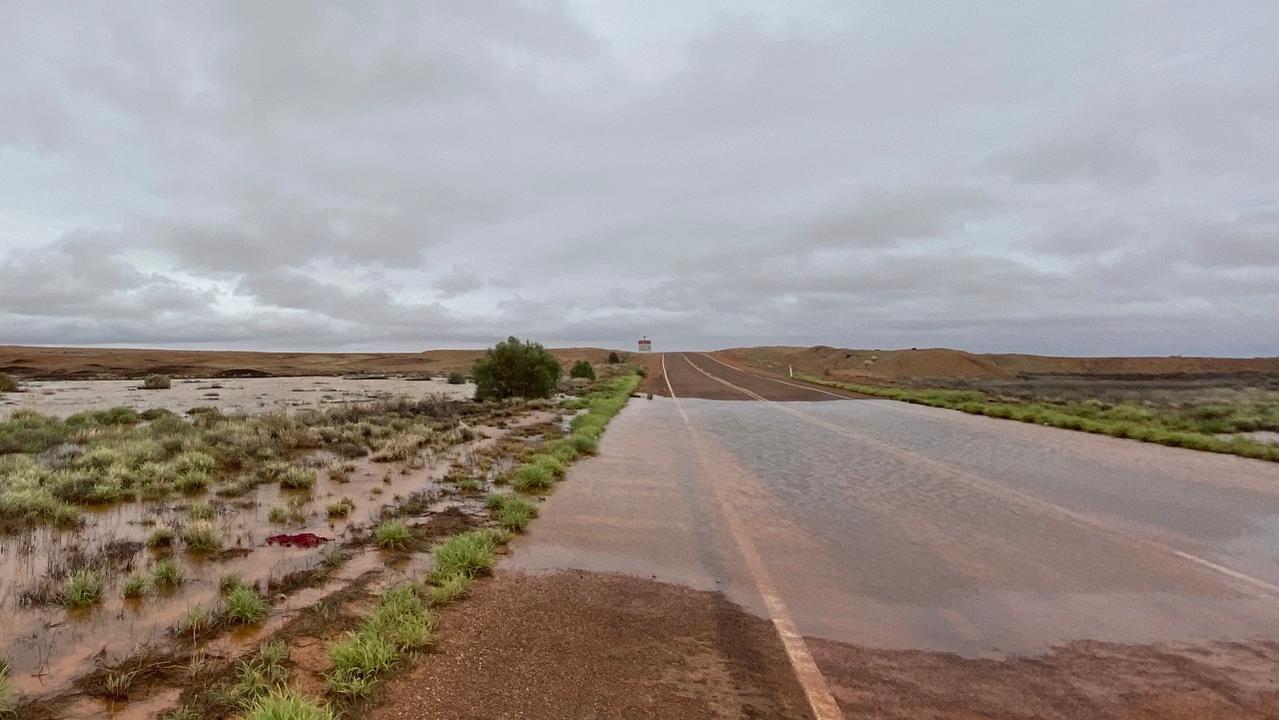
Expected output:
{"points": [[49, 646], [895, 526], [230, 395]]}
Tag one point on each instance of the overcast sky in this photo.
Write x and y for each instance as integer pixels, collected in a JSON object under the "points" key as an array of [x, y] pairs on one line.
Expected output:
{"points": [[1054, 177]]}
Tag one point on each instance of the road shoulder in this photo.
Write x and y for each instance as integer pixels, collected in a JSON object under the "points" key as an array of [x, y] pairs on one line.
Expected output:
{"points": [[593, 645]]}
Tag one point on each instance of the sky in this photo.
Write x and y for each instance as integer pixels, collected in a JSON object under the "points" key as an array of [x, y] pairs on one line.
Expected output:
{"points": [[1079, 178]]}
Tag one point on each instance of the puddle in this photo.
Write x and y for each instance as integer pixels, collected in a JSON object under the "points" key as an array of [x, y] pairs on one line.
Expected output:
{"points": [[230, 395], [48, 647]]}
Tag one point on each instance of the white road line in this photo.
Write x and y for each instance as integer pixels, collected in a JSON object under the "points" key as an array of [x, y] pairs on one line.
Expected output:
{"points": [[810, 677], [1269, 589]]}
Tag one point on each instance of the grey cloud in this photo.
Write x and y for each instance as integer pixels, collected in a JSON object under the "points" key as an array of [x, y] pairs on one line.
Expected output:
{"points": [[1080, 177]]}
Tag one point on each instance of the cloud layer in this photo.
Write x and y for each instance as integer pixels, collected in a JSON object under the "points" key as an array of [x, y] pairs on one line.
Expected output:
{"points": [[1075, 178]]}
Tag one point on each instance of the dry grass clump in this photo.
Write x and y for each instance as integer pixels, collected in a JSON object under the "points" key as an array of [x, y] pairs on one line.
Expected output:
{"points": [[7, 383]]}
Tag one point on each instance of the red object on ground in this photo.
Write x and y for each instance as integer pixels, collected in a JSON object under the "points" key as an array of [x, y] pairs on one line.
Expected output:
{"points": [[304, 540]]}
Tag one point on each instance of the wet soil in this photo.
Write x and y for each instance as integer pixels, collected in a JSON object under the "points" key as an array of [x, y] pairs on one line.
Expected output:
{"points": [[585, 645]]}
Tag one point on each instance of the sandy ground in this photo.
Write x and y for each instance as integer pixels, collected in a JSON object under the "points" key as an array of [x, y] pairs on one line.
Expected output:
{"points": [[231, 395], [581, 645]]}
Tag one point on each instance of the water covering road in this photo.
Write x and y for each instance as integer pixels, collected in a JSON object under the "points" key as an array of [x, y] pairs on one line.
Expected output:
{"points": [[886, 525]]}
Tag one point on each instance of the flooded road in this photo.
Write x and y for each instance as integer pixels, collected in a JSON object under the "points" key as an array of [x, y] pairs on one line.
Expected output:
{"points": [[884, 527]]}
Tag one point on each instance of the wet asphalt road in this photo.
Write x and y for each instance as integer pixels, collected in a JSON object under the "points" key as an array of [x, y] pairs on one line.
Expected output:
{"points": [[897, 526]]}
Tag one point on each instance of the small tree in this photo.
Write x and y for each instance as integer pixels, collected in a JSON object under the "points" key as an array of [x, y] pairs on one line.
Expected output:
{"points": [[582, 369], [614, 358], [515, 369]]}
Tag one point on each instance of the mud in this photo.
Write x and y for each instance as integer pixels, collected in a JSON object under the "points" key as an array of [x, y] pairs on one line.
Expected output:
{"points": [[231, 396], [583, 645]]}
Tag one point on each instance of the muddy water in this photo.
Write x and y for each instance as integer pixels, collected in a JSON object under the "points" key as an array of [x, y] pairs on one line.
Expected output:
{"points": [[49, 646], [936, 531], [231, 395]]}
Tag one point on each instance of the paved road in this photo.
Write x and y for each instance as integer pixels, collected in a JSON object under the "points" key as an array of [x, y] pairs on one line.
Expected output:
{"points": [[862, 526]]}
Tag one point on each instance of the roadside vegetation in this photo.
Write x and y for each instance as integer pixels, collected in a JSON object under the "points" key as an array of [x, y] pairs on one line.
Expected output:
{"points": [[186, 471], [515, 369], [50, 468], [1211, 421]]}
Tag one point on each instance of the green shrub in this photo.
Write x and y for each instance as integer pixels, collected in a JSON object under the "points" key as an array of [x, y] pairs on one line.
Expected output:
{"points": [[515, 369], [392, 535], [277, 515], [156, 382], [582, 369], [7, 383], [456, 378]]}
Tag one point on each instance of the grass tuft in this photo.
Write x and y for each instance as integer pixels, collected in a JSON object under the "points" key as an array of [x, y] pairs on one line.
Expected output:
{"points": [[512, 512], [245, 606], [82, 588], [161, 536], [166, 574], [469, 553], [135, 586], [448, 587], [341, 508], [286, 704], [201, 537], [392, 535]]}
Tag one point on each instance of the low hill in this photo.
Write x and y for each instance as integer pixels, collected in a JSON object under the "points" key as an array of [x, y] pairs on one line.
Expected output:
{"points": [[85, 363], [887, 366]]}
